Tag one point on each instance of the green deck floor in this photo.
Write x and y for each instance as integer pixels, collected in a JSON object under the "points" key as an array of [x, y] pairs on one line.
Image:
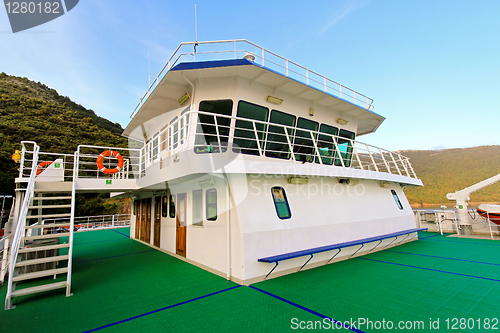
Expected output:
{"points": [[121, 285]]}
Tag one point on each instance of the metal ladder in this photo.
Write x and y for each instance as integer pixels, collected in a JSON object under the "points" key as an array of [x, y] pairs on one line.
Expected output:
{"points": [[37, 251]]}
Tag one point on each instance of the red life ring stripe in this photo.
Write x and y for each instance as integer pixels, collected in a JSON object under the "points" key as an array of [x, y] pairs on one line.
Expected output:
{"points": [[107, 153], [42, 165]]}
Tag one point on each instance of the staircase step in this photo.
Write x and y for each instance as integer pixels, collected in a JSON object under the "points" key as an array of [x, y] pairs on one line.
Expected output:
{"points": [[48, 216], [37, 289], [41, 260], [51, 198], [50, 206], [61, 234], [43, 248], [39, 274], [48, 225]]}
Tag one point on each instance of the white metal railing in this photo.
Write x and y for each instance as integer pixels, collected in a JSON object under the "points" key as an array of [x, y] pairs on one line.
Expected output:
{"points": [[21, 222], [83, 223], [86, 157], [206, 132], [235, 49], [446, 221], [4, 256], [26, 162]]}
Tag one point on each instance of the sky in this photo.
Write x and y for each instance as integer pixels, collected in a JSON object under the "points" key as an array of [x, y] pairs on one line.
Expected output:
{"points": [[432, 67]]}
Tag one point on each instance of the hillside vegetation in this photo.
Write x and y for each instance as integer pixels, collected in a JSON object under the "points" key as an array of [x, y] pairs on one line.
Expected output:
{"points": [[32, 111], [450, 170]]}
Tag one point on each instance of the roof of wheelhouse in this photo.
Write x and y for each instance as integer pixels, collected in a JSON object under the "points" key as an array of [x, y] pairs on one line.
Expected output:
{"points": [[175, 83]]}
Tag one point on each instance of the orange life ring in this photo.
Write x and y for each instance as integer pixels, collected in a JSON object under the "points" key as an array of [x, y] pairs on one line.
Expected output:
{"points": [[42, 165], [100, 162]]}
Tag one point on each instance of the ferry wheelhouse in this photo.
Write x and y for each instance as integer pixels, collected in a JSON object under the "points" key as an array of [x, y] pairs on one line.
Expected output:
{"points": [[248, 155], [238, 160]]}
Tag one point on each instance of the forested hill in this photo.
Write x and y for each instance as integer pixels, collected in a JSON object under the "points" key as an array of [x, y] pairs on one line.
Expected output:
{"points": [[32, 111], [450, 170]]}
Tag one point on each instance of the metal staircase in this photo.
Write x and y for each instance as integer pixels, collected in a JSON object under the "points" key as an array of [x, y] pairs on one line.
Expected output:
{"points": [[40, 250]]}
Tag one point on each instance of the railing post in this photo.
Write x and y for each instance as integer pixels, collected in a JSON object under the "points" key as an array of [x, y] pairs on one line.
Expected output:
{"points": [[385, 162], [316, 148], [357, 156], [395, 163], [217, 132], [289, 143], [404, 166], [335, 143], [257, 139], [371, 156], [113, 221]]}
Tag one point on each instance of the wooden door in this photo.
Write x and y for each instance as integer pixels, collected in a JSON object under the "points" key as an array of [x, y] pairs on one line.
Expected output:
{"points": [[147, 236], [157, 224], [143, 219], [137, 206], [181, 228]]}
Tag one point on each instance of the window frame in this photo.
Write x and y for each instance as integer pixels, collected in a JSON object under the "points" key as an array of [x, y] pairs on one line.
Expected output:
{"points": [[164, 206], [396, 198], [209, 205], [171, 206], [285, 200], [197, 209]]}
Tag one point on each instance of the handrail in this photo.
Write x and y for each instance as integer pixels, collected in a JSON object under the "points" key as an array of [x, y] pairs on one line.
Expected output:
{"points": [[21, 222], [358, 98], [357, 155]]}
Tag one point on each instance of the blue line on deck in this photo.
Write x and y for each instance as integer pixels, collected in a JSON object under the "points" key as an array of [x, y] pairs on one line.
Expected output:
{"points": [[128, 236], [427, 237], [158, 310], [431, 269], [427, 255], [308, 310], [450, 241], [120, 255]]}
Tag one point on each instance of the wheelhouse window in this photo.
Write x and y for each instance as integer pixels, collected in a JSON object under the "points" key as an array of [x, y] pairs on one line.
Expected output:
{"points": [[303, 145], [155, 146], [183, 124], [174, 134], [163, 137], [281, 203], [211, 204], [245, 134], [277, 140], [396, 198], [134, 209], [345, 147], [171, 206], [164, 206], [198, 208], [325, 143], [212, 132]]}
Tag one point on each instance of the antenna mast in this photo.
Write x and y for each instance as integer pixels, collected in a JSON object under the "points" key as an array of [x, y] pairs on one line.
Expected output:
{"points": [[195, 29]]}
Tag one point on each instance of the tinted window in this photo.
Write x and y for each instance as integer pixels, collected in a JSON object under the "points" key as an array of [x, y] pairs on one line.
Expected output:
{"points": [[281, 203], [244, 134], [206, 131], [277, 141], [303, 145], [211, 204]]}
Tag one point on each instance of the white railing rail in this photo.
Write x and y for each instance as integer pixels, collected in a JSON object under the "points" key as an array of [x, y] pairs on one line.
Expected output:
{"points": [[444, 217], [83, 223], [86, 157], [234, 49], [26, 162], [4, 255], [268, 140], [21, 222]]}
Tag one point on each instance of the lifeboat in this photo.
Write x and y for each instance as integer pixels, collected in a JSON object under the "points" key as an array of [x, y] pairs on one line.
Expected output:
{"points": [[491, 211]]}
